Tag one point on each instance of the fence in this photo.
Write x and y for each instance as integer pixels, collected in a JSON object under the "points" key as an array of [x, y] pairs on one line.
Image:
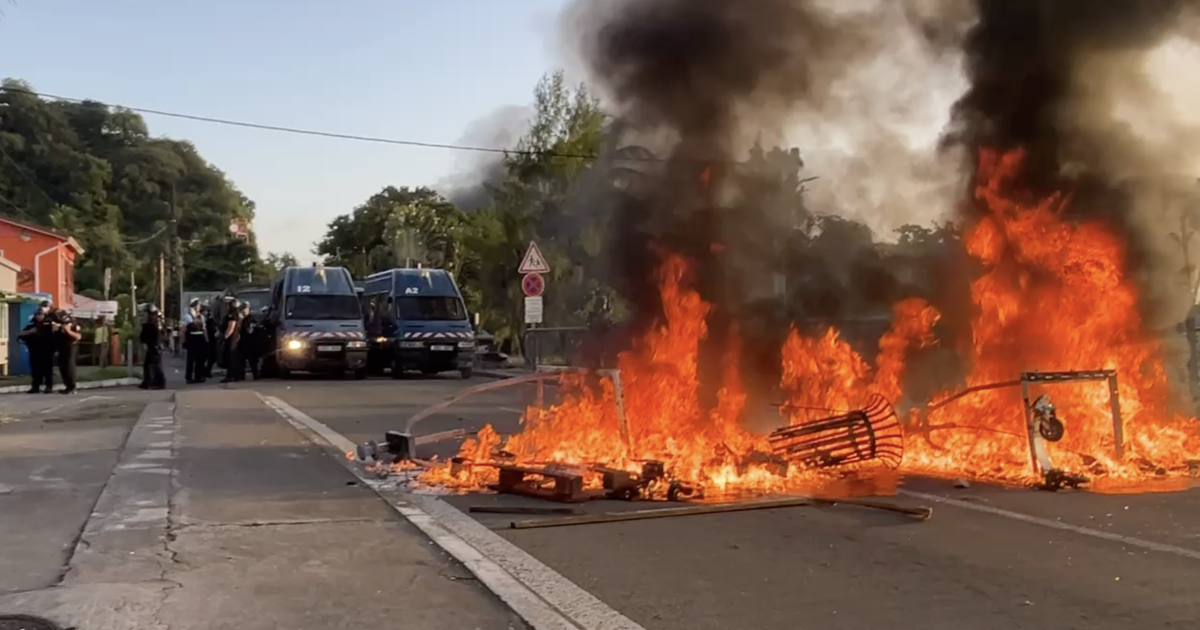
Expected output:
{"points": [[560, 346]]}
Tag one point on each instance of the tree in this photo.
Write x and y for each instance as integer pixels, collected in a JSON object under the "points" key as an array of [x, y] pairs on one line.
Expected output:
{"points": [[396, 227], [279, 262], [96, 173]]}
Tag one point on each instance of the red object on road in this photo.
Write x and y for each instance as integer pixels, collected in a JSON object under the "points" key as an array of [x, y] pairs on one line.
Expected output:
{"points": [[533, 284]]}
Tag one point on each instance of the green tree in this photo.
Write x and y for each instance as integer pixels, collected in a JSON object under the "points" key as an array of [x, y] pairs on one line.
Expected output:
{"points": [[396, 227], [96, 173], [279, 262]]}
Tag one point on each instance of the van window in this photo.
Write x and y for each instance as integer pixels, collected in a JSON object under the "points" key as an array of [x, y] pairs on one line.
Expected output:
{"points": [[430, 308], [317, 306], [326, 280]]}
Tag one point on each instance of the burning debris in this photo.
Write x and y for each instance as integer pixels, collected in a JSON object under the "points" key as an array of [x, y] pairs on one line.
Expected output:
{"points": [[1060, 277], [863, 437]]}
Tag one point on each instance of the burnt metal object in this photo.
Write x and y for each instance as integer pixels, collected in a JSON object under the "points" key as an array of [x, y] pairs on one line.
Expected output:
{"points": [[868, 436], [553, 484], [397, 447], [919, 513], [623, 485], [519, 510], [1044, 426]]}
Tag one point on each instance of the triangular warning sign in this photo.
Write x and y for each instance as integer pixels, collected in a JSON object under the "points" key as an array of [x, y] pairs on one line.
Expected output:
{"points": [[534, 261]]}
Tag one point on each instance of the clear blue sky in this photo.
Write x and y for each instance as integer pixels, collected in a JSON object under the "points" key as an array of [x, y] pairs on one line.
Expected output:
{"points": [[408, 69]]}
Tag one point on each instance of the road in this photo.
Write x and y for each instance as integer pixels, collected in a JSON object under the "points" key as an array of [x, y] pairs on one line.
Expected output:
{"points": [[993, 558], [261, 507]]}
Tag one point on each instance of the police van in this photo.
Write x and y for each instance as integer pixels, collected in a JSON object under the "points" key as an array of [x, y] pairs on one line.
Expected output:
{"points": [[417, 320], [314, 323]]}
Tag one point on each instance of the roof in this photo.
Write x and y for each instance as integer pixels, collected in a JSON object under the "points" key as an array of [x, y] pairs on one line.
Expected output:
{"points": [[48, 231]]}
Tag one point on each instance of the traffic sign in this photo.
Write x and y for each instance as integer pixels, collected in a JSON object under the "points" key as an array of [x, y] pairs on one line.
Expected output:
{"points": [[533, 310], [534, 261], [533, 285]]}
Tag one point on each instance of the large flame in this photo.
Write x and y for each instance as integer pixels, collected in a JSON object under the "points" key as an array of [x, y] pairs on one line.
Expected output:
{"points": [[1052, 296]]}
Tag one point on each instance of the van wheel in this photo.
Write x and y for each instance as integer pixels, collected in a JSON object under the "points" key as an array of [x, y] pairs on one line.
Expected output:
{"points": [[284, 373], [467, 373], [360, 374], [397, 370]]}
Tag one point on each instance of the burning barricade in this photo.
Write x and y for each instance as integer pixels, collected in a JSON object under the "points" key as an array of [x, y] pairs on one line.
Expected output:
{"points": [[1051, 295]]}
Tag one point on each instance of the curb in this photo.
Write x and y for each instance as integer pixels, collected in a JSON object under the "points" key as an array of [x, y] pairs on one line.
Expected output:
{"points": [[112, 382]]}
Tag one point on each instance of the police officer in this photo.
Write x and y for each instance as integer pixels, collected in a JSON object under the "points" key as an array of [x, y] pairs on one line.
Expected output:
{"points": [[250, 343], [67, 334], [153, 337], [235, 365], [195, 342], [38, 338], [212, 328]]}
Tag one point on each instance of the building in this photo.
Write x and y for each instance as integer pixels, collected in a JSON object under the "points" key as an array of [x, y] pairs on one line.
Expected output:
{"points": [[8, 276], [46, 259]]}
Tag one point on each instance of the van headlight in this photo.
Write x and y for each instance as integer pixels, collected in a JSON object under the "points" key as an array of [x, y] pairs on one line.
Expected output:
{"points": [[293, 345], [466, 344], [356, 344]]}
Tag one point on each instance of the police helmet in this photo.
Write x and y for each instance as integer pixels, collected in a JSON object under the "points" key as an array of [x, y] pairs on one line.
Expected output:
{"points": [[194, 303]]}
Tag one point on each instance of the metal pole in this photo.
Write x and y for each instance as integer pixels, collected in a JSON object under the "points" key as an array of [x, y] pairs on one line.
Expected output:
{"points": [[1118, 424], [162, 283]]}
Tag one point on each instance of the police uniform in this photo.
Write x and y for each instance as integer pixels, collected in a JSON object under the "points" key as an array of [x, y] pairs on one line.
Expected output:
{"points": [[38, 337], [235, 366], [67, 346], [249, 345], [152, 337], [195, 343]]}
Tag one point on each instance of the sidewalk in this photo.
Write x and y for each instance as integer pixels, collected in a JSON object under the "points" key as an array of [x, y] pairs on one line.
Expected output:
{"points": [[220, 515]]}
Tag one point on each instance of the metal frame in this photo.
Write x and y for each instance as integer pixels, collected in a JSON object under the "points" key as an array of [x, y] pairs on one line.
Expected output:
{"points": [[1049, 378]]}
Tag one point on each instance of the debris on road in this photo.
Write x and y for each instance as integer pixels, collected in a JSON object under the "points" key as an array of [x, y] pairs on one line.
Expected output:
{"points": [[523, 510], [921, 513]]}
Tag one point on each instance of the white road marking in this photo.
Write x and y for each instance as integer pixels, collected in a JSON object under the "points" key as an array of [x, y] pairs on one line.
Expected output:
{"points": [[542, 597], [1059, 525], [512, 409]]}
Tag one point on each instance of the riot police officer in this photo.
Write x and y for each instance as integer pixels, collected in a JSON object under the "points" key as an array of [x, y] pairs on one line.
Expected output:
{"points": [[67, 334], [249, 338], [235, 365], [38, 337], [153, 338], [195, 342]]}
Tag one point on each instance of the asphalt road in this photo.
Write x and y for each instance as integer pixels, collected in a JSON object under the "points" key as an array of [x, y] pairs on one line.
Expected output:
{"points": [[56, 454], [991, 558]]}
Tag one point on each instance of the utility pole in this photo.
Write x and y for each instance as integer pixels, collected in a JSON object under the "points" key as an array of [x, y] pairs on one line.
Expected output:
{"points": [[162, 283], [177, 246]]}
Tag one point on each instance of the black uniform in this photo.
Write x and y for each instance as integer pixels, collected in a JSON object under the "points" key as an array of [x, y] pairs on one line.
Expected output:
{"points": [[152, 368], [68, 351], [196, 344], [235, 366], [214, 342], [249, 344], [38, 338]]}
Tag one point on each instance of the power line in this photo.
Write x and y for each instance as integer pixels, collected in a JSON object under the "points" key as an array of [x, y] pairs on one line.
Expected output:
{"points": [[314, 132]]}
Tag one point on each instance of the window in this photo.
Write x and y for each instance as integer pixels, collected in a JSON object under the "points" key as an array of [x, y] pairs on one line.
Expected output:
{"points": [[430, 308], [318, 306]]}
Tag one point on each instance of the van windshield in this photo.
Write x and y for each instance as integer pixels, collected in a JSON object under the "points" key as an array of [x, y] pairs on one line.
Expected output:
{"points": [[430, 308], [317, 306]]}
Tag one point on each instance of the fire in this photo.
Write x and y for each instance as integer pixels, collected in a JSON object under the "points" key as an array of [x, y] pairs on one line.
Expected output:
{"points": [[1052, 296]]}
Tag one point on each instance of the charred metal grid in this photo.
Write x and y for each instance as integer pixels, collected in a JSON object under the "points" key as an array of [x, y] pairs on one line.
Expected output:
{"points": [[872, 435]]}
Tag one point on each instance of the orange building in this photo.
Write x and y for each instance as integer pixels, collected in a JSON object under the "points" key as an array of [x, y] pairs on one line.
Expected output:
{"points": [[46, 257]]}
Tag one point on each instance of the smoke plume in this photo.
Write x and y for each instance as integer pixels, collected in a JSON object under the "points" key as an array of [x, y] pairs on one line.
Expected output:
{"points": [[1072, 83]]}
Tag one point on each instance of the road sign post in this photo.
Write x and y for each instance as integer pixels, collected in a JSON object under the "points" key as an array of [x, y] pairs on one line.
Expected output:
{"points": [[533, 309], [533, 285], [534, 261]]}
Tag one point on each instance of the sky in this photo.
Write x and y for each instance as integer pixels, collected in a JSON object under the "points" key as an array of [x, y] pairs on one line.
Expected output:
{"points": [[420, 70]]}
